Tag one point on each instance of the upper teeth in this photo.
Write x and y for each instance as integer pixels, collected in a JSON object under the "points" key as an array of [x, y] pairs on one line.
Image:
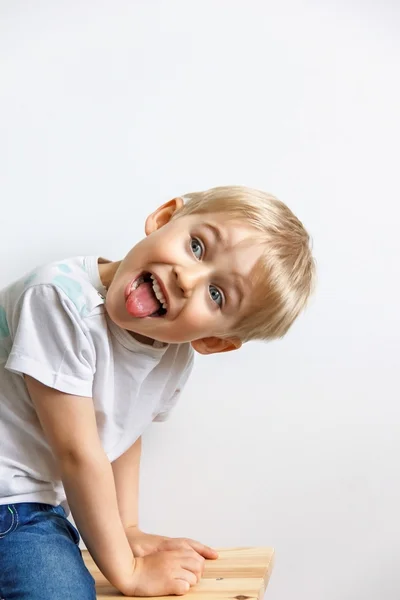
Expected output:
{"points": [[156, 287], [157, 290], [137, 282]]}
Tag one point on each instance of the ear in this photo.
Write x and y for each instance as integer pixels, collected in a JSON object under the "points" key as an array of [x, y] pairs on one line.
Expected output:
{"points": [[213, 345], [162, 215]]}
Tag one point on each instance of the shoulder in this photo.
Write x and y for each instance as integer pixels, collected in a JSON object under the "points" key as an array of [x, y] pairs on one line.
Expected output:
{"points": [[69, 274], [66, 282]]}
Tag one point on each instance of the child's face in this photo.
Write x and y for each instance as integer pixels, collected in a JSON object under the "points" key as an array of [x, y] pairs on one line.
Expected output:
{"points": [[204, 280]]}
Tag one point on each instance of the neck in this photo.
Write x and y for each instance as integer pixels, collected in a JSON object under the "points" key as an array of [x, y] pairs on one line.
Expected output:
{"points": [[107, 272]]}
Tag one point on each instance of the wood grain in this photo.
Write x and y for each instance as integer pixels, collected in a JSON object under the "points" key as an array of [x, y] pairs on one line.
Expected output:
{"points": [[238, 574]]}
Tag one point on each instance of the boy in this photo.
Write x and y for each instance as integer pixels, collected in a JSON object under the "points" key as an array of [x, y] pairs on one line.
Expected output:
{"points": [[92, 351]]}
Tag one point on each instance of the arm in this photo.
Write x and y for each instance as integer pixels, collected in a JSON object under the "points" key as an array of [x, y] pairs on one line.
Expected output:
{"points": [[126, 477], [126, 471], [87, 477], [69, 424]]}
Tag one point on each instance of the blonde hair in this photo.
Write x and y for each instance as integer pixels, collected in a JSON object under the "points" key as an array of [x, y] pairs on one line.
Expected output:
{"points": [[284, 276]]}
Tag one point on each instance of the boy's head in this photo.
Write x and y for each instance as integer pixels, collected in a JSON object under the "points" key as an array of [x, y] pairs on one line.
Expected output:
{"points": [[229, 265]]}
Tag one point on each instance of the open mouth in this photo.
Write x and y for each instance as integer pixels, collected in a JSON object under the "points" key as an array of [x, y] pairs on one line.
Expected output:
{"points": [[145, 297]]}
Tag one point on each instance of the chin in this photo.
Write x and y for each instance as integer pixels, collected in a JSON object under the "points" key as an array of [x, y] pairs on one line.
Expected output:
{"points": [[113, 314]]}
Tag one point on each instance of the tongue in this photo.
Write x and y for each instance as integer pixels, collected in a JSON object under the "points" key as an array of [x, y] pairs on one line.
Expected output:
{"points": [[142, 302]]}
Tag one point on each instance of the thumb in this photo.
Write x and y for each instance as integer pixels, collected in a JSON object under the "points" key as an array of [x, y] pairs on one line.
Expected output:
{"points": [[174, 544]]}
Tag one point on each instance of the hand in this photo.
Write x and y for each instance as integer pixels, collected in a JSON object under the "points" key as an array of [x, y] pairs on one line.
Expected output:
{"points": [[165, 573], [143, 544], [181, 543]]}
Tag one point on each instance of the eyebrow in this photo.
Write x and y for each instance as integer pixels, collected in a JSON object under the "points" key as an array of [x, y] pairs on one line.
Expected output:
{"points": [[238, 279], [238, 282], [216, 232]]}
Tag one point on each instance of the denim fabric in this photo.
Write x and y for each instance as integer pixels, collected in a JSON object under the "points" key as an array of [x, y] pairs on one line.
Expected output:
{"points": [[40, 557]]}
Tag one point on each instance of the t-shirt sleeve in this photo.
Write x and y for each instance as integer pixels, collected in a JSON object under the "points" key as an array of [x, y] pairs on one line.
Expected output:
{"points": [[51, 342], [169, 406]]}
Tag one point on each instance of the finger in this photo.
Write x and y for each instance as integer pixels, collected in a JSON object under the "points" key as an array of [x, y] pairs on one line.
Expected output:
{"points": [[179, 587], [194, 565], [187, 576], [192, 558], [203, 550], [190, 553], [138, 550], [175, 544]]}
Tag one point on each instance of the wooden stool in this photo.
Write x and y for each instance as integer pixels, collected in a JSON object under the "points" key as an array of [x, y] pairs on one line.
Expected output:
{"points": [[238, 574]]}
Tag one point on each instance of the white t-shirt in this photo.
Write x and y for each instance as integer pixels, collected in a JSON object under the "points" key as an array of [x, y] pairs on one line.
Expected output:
{"points": [[54, 327]]}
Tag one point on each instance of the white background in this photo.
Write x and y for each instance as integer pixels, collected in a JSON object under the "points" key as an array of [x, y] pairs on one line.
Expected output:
{"points": [[108, 109]]}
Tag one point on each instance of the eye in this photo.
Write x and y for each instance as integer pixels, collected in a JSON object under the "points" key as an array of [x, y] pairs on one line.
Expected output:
{"points": [[216, 295], [197, 248]]}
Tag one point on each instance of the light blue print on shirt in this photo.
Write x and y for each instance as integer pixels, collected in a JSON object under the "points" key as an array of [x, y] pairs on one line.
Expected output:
{"points": [[30, 278], [5, 340], [84, 311], [4, 329], [64, 268], [73, 290]]}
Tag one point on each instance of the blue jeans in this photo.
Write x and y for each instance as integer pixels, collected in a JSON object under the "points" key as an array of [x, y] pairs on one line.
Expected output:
{"points": [[40, 557]]}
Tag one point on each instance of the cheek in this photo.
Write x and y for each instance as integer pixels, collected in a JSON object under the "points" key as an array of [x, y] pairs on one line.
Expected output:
{"points": [[197, 315], [113, 304], [115, 299], [158, 248]]}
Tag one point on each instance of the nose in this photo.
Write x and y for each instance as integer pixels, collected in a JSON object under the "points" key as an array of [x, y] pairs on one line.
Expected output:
{"points": [[188, 278]]}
